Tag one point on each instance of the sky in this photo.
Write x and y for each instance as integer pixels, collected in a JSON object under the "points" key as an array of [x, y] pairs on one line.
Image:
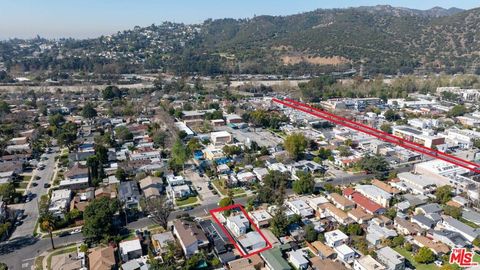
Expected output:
{"points": [[92, 18]]}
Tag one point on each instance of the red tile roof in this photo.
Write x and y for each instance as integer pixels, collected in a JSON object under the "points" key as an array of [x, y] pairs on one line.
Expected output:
{"points": [[348, 191], [362, 201], [366, 203]]}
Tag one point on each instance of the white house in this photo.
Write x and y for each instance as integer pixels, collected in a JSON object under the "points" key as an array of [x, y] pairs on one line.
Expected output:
{"points": [[375, 194], [261, 218], [178, 192], [251, 241], [300, 207], [297, 259], [238, 224], [345, 253], [173, 180], [59, 202], [221, 138], [335, 238], [131, 249], [367, 263]]}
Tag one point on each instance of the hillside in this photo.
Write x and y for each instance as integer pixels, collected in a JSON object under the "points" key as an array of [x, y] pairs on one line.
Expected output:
{"points": [[384, 39], [380, 39]]}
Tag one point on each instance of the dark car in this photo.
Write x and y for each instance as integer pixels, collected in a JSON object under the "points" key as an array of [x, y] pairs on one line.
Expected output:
{"points": [[34, 184], [46, 185], [63, 234], [188, 208]]}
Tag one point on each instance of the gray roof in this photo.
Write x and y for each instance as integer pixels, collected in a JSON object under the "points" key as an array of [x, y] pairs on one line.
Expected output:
{"points": [[423, 220], [454, 237], [128, 189], [471, 215], [391, 255], [414, 200], [462, 227], [431, 208]]}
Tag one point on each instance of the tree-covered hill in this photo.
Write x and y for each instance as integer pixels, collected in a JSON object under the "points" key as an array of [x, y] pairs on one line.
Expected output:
{"points": [[380, 39]]}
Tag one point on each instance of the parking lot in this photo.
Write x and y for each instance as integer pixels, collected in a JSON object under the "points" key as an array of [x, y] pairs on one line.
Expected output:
{"points": [[261, 136]]}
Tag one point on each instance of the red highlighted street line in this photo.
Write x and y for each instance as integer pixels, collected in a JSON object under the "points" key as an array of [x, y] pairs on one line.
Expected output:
{"points": [[379, 134]]}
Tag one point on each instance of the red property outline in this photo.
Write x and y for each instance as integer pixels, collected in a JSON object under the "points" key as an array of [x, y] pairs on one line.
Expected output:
{"points": [[379, 134], [239, 206]]}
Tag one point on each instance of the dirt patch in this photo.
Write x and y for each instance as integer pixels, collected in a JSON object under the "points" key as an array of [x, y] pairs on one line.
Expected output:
{"points": [[315, 60]]}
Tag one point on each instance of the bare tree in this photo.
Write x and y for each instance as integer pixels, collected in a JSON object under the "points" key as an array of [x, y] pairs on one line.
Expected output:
{"points": [[159, 209]]}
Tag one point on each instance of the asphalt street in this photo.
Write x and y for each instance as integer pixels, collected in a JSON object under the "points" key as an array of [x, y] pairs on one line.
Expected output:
{"points": [[37, 189]]}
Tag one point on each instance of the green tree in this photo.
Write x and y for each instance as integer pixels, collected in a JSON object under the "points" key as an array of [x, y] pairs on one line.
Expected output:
{"points": [[452, 211], [7, 192], [398, 241], [476, 241], [279, 223], [121, 175], [56, 120], [295, 144], [354, 229], [386, 128], [424, 256], [344, 151], [89, 111], [123, 133], [374, 164], [310, 234], [179, 155], [231, 150], [305, 184], [273, 188], [4, 107], [48, 224], [391, 213], [443, 194], [93, 168], [457, 110], [98, 217], [390, 115], [111, 92], [160, 139]]}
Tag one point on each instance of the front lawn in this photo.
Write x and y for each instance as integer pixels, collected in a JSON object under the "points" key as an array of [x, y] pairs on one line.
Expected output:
{"points": [[189, 200], [237, 192]]}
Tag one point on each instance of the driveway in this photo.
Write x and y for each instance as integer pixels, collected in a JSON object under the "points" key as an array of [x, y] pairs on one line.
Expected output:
{"points": [[201, 185], [31, 208]]}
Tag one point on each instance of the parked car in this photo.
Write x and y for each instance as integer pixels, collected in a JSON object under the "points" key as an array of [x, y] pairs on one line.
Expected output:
{"points": [[76, 231], [188, 208], [46, 185], [37, 177], [63, 234], [34, 184]]}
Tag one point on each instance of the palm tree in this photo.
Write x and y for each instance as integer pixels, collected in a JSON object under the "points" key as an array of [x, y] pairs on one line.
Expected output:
{"points": [[48, 225]]}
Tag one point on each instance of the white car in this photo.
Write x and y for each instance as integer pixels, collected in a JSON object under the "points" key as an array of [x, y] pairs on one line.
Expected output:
{"points": [[76, 231]]}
